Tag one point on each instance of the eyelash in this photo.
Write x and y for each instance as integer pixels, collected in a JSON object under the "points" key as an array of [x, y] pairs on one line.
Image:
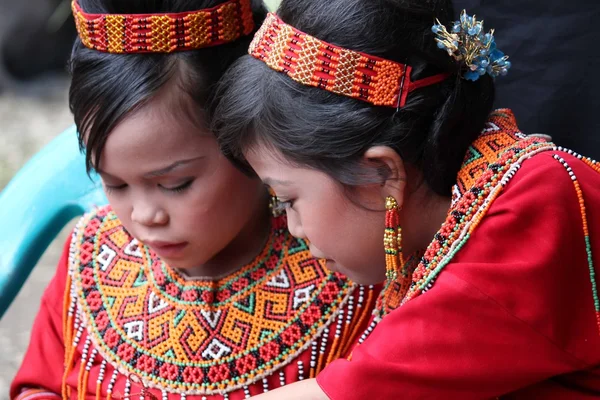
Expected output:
{"points": [[111, 189], [177, 190]]}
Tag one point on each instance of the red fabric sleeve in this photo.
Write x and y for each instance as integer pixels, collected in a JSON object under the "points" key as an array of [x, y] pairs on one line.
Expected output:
{"points": [[514, 308], [43, 365]]}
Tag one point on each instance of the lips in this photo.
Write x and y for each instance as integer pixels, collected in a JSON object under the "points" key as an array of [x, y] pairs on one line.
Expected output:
{"points": [[167, 249]]}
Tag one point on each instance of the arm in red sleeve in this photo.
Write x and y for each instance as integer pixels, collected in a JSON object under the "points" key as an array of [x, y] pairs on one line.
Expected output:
{"points": [[514, 307], [41, 373]]}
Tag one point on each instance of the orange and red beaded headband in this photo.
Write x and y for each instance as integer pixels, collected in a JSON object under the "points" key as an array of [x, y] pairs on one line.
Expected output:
{"points": [[313, 62], [164, 33]]}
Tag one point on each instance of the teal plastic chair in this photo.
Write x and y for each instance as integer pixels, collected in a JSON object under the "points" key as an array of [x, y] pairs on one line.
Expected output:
{"points": [[47, 193]]}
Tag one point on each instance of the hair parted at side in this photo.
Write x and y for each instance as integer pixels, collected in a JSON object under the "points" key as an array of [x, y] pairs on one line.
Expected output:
{"points": [[107, 87], [313, 127]]}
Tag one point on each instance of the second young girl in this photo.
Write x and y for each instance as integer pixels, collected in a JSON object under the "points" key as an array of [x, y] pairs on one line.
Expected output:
{"points": [[372, 121]]}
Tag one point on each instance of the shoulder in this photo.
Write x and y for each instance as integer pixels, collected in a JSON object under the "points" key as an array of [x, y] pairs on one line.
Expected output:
{"points": [[91, 227], [550, 172], [74, 247], [545, 196], [91, 221], [539, 213], [530, 253]]}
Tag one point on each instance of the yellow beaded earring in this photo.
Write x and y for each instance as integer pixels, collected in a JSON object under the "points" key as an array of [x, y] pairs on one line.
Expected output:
{"points": [[392, 240], [398, 278]]}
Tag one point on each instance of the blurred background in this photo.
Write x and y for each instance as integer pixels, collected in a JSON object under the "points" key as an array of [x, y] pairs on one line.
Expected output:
{"points": [[35, 39], [552, 87]]}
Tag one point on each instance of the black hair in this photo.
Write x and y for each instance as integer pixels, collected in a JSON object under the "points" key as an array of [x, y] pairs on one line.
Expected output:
{"points": [[106, 87], [313, 127]]}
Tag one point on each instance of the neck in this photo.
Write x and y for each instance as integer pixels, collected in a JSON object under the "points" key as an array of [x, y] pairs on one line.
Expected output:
{"points": [[422, 215], [240, 251]]}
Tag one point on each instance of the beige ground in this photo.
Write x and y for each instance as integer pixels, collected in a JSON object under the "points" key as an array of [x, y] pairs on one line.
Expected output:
{"points": [[29, 118]]}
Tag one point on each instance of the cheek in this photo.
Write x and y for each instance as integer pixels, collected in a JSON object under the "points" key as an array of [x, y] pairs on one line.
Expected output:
{"points": [[366, 253], [354, 239], [121, 204], [323, 227], [205, 224], [222, 201], [235, 194]]}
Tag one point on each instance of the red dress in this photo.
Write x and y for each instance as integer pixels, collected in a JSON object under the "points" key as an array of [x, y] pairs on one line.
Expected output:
{"points": [[512, 313], [115, 312]]}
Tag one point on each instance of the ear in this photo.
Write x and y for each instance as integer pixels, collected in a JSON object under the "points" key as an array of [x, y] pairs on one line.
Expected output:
{"points": [[392, 171]]}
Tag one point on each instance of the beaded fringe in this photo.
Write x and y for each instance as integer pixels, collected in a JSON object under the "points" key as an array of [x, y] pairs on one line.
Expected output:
{"points": [[586, 233]]}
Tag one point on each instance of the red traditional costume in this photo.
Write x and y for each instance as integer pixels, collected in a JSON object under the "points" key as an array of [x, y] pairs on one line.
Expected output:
{"points": [[504, 302], [116, 322]]}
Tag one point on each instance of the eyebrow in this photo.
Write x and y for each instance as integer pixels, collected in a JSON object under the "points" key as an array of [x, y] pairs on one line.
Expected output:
{"points": [[158, 172], [171, 168], [271, 182]]}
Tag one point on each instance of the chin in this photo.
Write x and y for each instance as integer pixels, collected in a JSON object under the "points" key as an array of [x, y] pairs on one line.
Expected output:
{"points": [[177, 264], [359, 278], [180, 263], [334, 266]]}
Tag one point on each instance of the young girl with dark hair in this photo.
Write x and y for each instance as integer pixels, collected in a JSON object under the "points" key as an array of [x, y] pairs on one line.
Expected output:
{"points": [[374, 118], [187, 285]]}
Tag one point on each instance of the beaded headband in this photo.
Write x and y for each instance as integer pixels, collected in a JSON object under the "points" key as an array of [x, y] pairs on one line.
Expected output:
{"points": [[313, 62], [164, 33]]}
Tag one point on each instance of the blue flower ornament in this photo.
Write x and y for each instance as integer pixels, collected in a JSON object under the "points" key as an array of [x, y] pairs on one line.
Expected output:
{"points": [[468, 44]]}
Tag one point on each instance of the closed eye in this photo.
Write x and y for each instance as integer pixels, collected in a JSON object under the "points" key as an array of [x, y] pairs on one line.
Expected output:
{"points": [[178, 189], [113, 188]]}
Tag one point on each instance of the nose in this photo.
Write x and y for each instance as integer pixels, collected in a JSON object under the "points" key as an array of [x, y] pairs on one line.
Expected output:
{"points": [[295, 225], [147, 214]]}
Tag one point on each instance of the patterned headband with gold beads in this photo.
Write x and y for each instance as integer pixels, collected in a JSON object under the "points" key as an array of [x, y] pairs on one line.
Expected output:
{"points": [[313, 62], [164, 33]]}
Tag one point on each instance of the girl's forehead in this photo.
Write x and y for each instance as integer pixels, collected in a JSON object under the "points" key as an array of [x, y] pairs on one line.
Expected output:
{"points": [[169, 117], [273, 169], [175, 105], [266, 160], [150, 141]]}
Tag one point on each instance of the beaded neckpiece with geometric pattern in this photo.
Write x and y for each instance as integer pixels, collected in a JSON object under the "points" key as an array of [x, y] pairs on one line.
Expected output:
{"points": [[205, 337], [313, 62], [164, 33]]}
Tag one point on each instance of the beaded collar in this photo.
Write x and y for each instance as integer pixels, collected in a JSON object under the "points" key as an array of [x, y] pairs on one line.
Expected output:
{"points": [[199, 337]]}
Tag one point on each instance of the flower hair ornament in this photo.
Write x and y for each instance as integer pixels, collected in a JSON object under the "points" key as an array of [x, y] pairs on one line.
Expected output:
{"points": [[468, 44]]}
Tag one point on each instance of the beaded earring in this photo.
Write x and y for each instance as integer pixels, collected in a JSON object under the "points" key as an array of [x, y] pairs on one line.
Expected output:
{"points": [[392, 240]]}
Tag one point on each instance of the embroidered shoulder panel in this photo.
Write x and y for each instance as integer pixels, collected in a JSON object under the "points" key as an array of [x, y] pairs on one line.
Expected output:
{"points": [[197, 336], [490, 163]]}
